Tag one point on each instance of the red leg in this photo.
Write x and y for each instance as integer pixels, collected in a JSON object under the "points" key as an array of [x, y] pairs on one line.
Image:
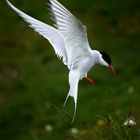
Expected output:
{"points": [[89, 80]]}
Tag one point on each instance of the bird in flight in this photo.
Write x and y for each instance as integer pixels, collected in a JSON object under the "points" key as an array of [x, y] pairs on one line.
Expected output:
{"points": [[69, 39]]}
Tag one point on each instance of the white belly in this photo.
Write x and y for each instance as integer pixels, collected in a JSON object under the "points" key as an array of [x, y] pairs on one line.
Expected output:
{"points": [[85, 66]]}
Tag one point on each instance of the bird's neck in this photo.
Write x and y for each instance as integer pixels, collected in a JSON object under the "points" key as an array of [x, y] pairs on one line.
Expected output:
{"points": [[96, 56]]}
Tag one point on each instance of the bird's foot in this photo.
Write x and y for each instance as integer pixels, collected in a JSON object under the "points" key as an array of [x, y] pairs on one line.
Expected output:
{"points": [[89, 80]]}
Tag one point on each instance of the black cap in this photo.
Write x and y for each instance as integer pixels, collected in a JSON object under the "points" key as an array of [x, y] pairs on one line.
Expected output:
{"points": [[106, 57]]}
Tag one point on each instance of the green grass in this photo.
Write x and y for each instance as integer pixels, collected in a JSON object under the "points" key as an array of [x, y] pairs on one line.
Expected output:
{"points": [[34, 83]]}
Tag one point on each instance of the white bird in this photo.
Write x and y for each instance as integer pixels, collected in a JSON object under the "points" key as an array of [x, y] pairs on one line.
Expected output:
{"points": [[69, 40]]}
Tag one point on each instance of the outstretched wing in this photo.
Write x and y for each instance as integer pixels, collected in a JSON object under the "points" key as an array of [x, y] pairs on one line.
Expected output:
{"points": [[53, 35], [73, 31]]}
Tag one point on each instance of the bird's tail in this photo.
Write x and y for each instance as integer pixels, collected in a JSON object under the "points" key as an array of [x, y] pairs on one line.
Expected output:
{"points": [[74, 78]]}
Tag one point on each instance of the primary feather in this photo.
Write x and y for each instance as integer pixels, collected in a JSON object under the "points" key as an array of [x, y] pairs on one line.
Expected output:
{"points": [[47, 31], [74, 32]]}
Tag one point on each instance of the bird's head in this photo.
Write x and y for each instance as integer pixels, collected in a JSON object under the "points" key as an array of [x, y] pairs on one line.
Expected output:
{"points": [[105, 60]]}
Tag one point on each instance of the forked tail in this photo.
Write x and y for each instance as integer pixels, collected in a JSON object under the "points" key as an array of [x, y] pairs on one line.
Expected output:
{"points": [[74, 77]]}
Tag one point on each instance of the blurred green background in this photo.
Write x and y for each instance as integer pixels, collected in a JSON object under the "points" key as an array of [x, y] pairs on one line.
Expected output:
{"points": [[34, 83]]}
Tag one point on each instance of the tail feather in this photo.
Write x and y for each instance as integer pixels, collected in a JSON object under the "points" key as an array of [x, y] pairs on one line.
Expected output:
{"points": [[74, 77]]}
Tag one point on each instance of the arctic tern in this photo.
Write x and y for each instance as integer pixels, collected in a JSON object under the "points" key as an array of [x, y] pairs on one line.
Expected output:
{"points": [[69, 40]]}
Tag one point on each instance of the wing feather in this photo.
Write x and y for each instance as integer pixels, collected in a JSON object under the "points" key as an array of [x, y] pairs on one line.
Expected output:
{"points": [[53, 35], [72, 29]]}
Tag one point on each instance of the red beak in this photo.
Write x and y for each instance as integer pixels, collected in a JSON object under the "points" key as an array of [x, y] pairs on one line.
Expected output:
{"points": [[112, 69]]}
